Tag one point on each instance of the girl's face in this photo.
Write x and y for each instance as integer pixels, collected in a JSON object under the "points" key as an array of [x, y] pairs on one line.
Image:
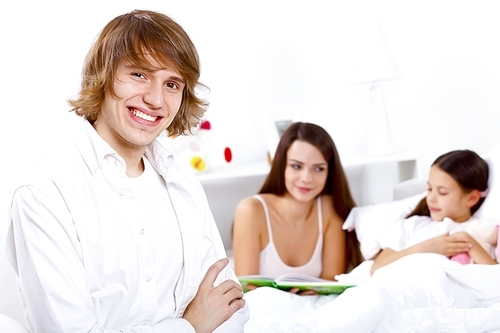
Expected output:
{"points": [[306, 171], [446, 198]]}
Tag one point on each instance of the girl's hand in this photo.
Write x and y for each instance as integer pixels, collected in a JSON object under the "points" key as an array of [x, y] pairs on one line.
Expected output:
{"points": [[476, 252], [446, 244]]}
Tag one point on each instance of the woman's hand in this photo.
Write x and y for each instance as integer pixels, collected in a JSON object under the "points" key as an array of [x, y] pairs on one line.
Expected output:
{"points": [[251, 286], [303, 292]]}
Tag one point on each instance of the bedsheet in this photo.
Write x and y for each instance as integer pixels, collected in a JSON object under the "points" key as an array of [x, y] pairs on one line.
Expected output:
{"points": [[419, 293]]}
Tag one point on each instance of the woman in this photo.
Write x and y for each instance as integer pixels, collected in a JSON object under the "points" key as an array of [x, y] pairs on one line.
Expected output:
{"points": [[295, 223]]}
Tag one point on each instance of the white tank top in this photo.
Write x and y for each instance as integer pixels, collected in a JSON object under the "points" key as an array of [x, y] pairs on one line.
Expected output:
{"points": [[270, 262]]}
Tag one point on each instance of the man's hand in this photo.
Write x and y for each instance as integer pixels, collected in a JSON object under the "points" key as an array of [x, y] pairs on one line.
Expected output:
{"points": [[214, 305]]}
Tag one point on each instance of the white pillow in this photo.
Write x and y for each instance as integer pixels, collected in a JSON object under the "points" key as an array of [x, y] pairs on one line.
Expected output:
{"points": [[372, 220], [491, 205]]}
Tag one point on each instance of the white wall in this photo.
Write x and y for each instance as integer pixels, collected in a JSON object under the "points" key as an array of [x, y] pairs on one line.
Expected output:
{"points": [[262, 55]]}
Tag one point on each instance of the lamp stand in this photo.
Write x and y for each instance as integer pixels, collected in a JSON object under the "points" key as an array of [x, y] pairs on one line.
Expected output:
{"points": [[379, 136]]}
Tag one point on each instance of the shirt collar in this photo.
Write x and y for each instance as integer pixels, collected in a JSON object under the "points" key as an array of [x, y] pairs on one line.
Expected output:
{"points": [[96, 152]]}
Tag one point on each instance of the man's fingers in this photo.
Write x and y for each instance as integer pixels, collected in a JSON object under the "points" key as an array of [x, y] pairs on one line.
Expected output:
{"points": [[213, 272], [234, 293]]}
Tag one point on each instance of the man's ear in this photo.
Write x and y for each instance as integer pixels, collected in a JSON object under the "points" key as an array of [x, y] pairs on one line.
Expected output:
{"points": [[473, 198]]}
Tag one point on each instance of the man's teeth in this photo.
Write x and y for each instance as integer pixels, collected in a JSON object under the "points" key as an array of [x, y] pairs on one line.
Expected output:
{"points": [[144, 116]]}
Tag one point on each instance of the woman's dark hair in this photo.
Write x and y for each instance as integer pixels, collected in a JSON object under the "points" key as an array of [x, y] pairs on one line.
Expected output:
{"points": [[336, 183], [467, 168]]}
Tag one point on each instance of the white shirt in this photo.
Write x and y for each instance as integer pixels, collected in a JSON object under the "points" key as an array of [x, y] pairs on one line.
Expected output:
{"points": [[417, 229], [88, 261], [157, 217]]}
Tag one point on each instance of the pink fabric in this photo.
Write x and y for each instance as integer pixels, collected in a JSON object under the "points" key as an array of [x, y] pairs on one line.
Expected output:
{"points": [[497, 251], [462, 258]]}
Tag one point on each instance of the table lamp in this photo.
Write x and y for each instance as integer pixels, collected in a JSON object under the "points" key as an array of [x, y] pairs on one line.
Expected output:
{"points": [[371, 64]]}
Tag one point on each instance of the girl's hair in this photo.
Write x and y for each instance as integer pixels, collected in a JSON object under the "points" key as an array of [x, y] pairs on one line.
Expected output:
{"points": [[468, 169], [151, 41], [336, 183]]}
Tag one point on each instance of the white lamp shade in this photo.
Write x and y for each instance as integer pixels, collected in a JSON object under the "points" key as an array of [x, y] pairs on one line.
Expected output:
{"points": [[371, 58]]}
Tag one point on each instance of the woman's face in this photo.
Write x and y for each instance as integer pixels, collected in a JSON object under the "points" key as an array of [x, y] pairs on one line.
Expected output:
{"points": [[446, 198], [306, 171]]}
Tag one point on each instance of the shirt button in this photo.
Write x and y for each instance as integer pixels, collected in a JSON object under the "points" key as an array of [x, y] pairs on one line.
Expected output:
{"points": [[148, 279], [141, 232]]}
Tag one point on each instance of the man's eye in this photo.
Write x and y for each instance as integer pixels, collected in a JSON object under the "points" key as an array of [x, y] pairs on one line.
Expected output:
{"points": [[172, 85], [139, 75]]}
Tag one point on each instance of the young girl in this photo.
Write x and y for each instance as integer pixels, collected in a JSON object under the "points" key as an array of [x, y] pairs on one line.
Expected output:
{"points": [[295, 223], [457, 186]]}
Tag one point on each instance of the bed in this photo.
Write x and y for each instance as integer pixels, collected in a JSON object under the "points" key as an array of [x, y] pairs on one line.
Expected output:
{"points": [[419, 293]]}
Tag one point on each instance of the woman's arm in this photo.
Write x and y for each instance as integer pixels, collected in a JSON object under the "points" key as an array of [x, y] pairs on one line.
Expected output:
{"points": [[445, 244], [248, 216], [334, 244]]}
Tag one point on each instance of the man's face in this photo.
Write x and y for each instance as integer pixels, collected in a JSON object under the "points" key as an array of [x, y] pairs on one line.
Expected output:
{"points": [[146, 103]]}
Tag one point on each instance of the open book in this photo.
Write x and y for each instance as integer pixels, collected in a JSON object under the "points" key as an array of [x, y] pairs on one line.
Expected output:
{"points": [[289, 281]]}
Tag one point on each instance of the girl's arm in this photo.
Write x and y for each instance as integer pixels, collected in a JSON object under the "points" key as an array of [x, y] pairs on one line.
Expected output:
{"points": [[477, 253], [445, 244]]}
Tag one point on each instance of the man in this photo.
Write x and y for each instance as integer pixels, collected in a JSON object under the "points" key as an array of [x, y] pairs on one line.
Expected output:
{"points": [[112, 234]]}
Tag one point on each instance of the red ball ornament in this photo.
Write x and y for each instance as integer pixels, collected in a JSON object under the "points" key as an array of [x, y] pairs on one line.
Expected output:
{"points": [[205, 125], [228, 155]]}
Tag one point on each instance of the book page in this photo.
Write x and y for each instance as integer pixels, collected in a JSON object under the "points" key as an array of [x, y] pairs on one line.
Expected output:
{"points": [[299, 278], [302, 282]]}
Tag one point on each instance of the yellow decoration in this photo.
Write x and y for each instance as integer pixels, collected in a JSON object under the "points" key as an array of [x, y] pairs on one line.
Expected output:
{"points": [[198, 163]]}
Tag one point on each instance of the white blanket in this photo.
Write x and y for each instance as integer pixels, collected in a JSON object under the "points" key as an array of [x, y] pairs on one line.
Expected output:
{"points": [[418, 293]]}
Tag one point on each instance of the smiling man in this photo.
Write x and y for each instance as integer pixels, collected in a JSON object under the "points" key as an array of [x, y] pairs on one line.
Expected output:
{"points": [[112, 234]]}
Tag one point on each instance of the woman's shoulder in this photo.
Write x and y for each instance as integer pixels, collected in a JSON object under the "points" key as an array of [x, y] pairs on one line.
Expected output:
{"points": [[256, 199], [248, 203], [328, 212], [327, 206], [249, 215], [252, 204], [326, 200]]}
